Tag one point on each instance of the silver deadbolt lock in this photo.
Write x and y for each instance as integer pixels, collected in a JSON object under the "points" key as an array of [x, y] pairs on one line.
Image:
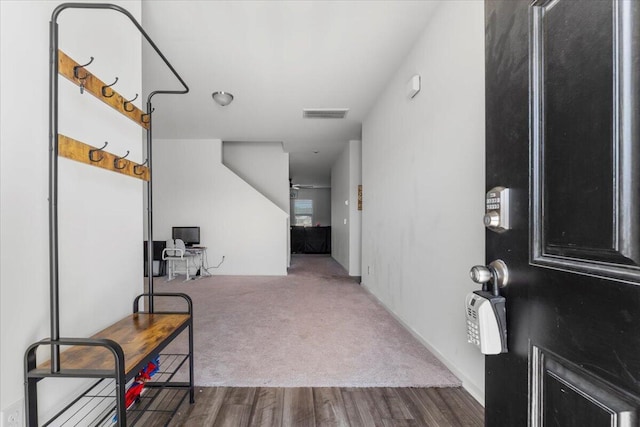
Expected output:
{"points": [[496, 217]]}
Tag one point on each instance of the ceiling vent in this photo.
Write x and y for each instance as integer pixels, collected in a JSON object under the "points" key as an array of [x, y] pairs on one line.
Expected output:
{"points": [[324, 113]]}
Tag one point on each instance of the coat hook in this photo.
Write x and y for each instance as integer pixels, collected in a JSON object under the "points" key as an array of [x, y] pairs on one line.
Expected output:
{"points": [[82, 78], [104, 89], [147, 116], [97, 150], [77, 67], [135, 168], [116, 161], [133, 107]]}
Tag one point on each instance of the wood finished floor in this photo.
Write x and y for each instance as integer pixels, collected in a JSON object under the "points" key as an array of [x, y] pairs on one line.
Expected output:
{"points": [[306, 406]]}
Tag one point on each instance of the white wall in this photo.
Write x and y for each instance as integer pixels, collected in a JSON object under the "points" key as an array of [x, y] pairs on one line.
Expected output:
{"points": [[346, 219], [321, 204], [264, 165], [192, 187], [339, 210], [423, 187], [355, 216], [100, 225]]}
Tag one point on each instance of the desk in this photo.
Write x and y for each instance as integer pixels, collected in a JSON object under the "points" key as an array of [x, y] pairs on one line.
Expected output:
{"points": [[199, 257]]}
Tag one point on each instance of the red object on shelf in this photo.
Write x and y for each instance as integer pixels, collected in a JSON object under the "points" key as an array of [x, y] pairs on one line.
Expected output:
{"points": [[134, 392]]}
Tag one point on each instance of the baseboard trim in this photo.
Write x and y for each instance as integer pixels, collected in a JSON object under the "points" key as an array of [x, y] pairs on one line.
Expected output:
{"points": [[467, 384]]}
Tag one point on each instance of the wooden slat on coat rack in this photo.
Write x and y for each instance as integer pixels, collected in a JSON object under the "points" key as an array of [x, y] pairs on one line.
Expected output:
{"points": [[79, 151], [94, 85]]}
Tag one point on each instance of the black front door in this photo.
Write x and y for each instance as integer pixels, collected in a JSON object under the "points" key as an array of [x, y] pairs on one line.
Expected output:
{"points": [[563, 133]]}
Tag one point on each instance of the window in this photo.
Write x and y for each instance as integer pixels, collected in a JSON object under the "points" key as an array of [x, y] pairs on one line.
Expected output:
{"points": [[303, 212]]}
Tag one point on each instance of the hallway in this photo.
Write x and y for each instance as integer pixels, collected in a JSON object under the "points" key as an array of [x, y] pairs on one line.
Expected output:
{"points": [[293, 364], [417, 236], [316, 327]]}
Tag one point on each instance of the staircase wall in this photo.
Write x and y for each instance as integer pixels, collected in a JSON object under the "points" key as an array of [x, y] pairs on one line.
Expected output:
{"points": [[263, 165], [193, 188]]}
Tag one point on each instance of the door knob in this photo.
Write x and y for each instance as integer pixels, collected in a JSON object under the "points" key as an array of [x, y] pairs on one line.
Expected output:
{"points": [[497, 271], [480, 274]]}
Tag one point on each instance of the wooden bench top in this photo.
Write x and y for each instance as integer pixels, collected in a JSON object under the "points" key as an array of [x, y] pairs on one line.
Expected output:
{"points": [[139, 335]]}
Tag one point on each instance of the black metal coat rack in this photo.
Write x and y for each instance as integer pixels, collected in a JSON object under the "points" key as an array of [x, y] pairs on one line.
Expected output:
{"points": [[96, 157]]}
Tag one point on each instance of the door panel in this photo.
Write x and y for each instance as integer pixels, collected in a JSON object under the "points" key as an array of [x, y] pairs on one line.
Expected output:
{"points": [[562, 133], [575, 106], [561, 390], [579, 75]]}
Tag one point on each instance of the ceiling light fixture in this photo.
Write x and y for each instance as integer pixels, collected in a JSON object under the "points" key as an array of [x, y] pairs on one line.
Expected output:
{"points": [[222, 98]]}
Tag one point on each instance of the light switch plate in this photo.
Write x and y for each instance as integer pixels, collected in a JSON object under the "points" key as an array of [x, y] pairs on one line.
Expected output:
{"points": [[413, 86]]}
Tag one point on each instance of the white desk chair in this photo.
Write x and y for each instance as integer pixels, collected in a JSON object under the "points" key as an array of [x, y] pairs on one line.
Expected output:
{"points": [[176, 255]]}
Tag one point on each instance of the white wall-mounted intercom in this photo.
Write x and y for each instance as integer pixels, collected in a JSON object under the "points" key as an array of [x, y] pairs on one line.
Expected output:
{"points": [[496, 217]]}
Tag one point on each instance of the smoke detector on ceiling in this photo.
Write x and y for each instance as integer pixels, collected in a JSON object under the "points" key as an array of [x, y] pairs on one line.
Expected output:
{"points": [[324, 113]]}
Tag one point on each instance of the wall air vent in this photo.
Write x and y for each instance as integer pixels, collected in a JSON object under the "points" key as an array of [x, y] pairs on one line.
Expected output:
{"points": [[324, 113]]}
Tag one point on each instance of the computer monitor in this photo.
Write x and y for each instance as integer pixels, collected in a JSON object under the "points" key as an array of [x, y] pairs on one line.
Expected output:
{"points": [[189, 235]]}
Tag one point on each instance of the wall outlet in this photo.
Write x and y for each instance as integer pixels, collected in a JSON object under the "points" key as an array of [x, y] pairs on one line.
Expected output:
{"points": [[13, 415]]}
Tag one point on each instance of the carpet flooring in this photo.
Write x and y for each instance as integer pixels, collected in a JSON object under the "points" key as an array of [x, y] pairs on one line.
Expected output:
{"points": [[316, 327]]}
